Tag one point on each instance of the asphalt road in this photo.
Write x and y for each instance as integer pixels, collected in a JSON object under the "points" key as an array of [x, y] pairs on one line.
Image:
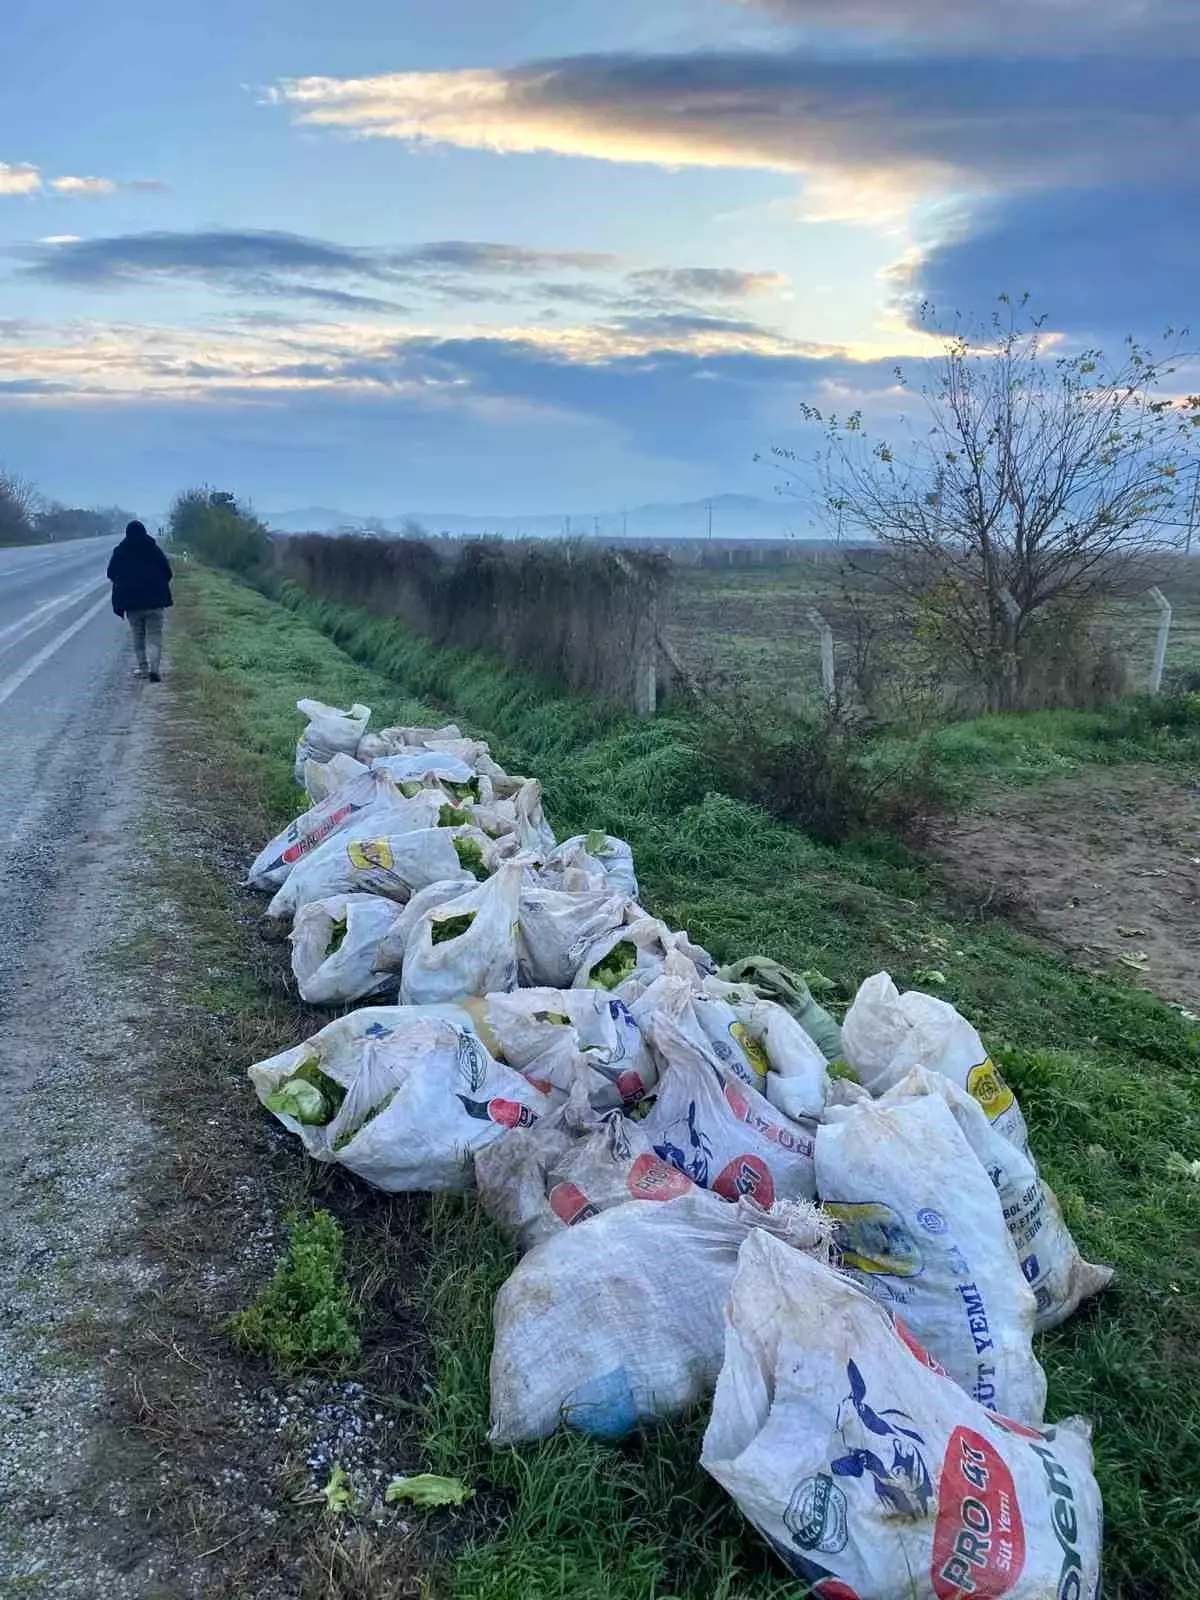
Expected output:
{"points": [[80, 1021], [67, 702]]}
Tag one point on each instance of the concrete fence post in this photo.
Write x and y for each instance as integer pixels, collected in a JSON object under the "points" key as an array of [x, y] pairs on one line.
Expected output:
{"points": [[825, 633], [1160, 643], [645, 661], [645, 681]]}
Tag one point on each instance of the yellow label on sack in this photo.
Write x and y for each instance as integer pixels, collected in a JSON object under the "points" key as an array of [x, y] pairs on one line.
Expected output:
{"points": [[753, 1049], [367, 853], [985, 1084], [873, 1238]]}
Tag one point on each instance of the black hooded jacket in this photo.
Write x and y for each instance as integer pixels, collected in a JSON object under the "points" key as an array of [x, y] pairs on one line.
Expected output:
{"points": [[139, 573]]}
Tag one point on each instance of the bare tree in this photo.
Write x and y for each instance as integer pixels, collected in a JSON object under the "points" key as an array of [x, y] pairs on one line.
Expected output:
{"points": [[1033, 485], [18, 507]]}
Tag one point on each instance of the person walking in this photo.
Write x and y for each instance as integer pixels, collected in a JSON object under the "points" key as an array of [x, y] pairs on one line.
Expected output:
{"points": [[141, 578]]}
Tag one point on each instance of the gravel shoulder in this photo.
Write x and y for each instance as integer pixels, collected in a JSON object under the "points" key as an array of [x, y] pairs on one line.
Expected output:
{"points": [[143, 1455], [77, 1146]]}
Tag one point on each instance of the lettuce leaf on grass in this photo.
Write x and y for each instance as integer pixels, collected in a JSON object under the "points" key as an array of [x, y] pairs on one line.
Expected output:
{"points": [[428, 1489]]}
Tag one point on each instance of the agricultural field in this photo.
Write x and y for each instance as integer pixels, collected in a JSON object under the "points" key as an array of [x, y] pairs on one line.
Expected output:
{"points": [[1106, 863], [749, 629], [1105, 1070]]}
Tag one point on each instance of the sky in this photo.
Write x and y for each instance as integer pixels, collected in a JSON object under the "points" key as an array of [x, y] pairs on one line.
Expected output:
{"points": [[388, 255]]}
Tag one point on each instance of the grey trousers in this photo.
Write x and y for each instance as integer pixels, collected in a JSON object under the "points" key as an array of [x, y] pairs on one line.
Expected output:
{"points": [[147, 630]]}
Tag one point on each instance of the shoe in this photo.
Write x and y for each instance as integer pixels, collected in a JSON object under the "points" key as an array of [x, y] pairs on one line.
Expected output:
{"points": [[141, 672], [155, 677]]}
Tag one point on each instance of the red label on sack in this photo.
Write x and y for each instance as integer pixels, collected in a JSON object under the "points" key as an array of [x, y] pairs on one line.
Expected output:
{"points": [[1021, 1429], [774, 1132], [979, 1540], [570, 1205], [746, 1175], [833, 1589], [318, 836], [653, 1179], [630, 1086], [738, 1103], [910, 1339], [510, 1113]]}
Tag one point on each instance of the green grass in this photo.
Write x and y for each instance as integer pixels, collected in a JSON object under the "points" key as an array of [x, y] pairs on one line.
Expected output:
{"points": [[1109, 1078], [1035, 745]]}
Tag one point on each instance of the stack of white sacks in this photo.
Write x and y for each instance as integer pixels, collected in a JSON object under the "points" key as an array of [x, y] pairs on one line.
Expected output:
{"points": [[849, 1265]]}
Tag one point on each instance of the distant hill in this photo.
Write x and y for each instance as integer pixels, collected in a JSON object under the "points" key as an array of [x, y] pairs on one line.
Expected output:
{"points": [[309, 519], [725, 516]]}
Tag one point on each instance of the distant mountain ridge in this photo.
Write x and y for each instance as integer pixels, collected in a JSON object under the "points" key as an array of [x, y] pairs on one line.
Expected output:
{"points": [[725, 516]]}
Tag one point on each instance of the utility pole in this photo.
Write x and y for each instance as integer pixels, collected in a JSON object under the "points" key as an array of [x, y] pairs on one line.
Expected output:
{"points": [[624, 524], [1195, 507], [597, 523], [566, 527], [708, 506]]}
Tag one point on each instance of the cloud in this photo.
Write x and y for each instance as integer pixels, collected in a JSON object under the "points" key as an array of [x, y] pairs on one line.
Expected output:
{"points": [[1100, 262], [32, 386], [340, 412], [696, 332], [259, 263], [1016, 26], [272, 355], [253, 249], [931, 123], [718, 283], [19, 178], [137, 256], [23, 178], [83, 186], [467, 256], [254, 263], [972, 137], [272, 288]]}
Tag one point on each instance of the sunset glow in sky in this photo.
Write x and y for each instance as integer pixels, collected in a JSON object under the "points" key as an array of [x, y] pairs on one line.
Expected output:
{"points": [[386, 255]]}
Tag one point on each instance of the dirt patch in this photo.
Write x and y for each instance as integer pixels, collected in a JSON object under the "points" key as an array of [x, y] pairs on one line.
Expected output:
{"points": [[1107, 863]]}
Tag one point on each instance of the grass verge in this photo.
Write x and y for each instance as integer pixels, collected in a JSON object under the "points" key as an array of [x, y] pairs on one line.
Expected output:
{"points": [[1108, 1076]]}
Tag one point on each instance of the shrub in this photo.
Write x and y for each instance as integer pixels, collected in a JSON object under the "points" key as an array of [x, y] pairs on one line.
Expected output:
{"points": [[578, 615], [1150, 719], [823, 773], [1068, 660], [304, 1317], [18, 505], [212, 524]]}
